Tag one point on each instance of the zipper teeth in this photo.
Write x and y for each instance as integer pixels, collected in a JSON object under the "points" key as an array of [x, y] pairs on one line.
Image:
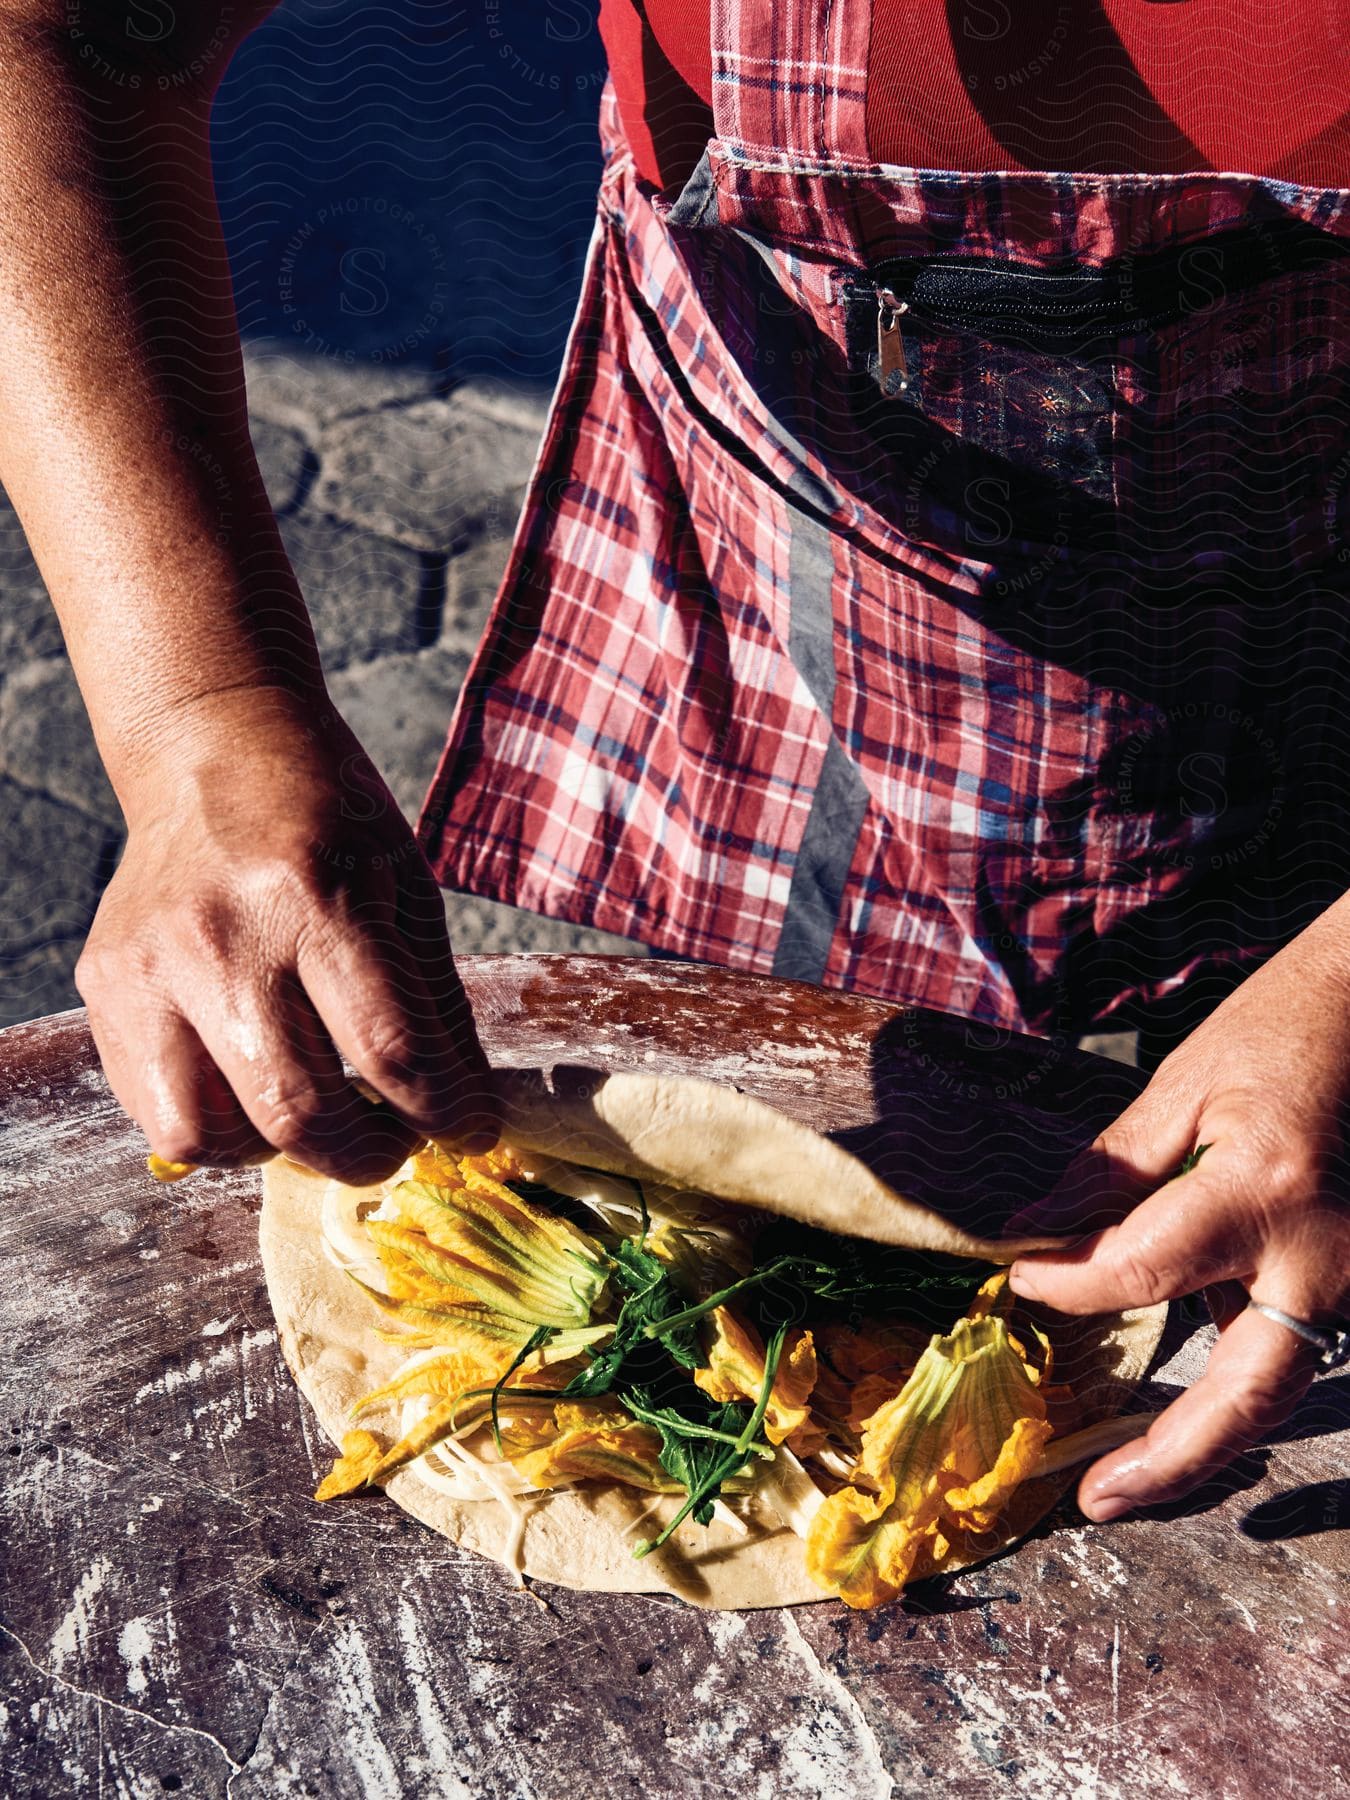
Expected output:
{"points": [[976, 265], [876, 284], [890, 285], [1047, 309], [1029, 310], [1015, 270], [1246, 260]]}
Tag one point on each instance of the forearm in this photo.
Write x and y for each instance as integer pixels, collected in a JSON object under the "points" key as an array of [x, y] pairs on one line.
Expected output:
{"points": [[123, 429]]}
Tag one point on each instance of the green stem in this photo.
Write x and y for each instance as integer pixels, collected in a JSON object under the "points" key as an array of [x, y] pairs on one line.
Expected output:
{"points": [[691, 1313], [687, 1428], [534, 1342], [551, 1395], [733, 1460]]}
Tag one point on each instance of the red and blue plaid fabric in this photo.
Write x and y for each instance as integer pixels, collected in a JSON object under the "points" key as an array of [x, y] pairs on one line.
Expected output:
{"points": [[1018, 691]]}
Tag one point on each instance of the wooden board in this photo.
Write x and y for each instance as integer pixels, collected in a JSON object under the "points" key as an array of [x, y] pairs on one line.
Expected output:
{"points": [[176, 1615]]}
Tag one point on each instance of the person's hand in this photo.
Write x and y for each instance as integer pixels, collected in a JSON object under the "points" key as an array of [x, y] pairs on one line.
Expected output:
{"points": [[272, 910], [1263, 1082]]}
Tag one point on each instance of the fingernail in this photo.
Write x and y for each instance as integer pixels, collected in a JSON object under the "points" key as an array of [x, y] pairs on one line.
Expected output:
{"points": [[1022, 1283], [1102, 1508]]}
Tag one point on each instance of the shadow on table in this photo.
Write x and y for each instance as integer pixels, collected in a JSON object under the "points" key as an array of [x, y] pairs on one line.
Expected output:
{"points": [[1301, 1512], [928, 1599], [978, 1122]]}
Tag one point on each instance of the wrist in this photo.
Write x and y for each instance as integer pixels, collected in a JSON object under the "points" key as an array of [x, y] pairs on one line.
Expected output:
{"points": [[264, 735]]}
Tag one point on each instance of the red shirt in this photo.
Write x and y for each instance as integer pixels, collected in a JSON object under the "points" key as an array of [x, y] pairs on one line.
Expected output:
{"points": [[1241, 86]]}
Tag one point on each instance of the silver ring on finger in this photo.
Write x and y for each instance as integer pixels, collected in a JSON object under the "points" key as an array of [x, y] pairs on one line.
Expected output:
{"points": [[1332, 1340]]}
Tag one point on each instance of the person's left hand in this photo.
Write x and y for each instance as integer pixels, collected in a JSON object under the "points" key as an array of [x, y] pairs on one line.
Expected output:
{"points": [[1264, 1083]]}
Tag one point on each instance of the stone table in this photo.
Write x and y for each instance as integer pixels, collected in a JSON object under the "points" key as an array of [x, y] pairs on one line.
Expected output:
{"points": [[176, 1614]]}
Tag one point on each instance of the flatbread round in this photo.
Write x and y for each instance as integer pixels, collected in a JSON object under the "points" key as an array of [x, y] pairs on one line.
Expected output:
{"points": [[715, 1140], [583, 1537]]}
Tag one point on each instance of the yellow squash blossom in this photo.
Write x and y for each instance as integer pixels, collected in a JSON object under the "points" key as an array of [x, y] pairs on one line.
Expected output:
{"points": [[859, 1370], [447, 1380], [469, 1376], [939, 1459], [424, 1325], [168, 1171], [597, 1441], [460, 1384], [464, 1249], [475, 1272], [443, 1167], [361, 1452], [736, 1372], [482, 1245]]}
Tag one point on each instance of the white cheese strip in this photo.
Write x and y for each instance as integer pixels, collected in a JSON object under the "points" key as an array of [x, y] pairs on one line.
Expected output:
{"points": [[724, 1515], [476, 1474], [1093, 1440], [789, 1489], [613, 1200]]}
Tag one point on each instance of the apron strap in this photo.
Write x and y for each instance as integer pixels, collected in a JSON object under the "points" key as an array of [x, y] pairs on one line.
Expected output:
{"points": [[789, 77]]}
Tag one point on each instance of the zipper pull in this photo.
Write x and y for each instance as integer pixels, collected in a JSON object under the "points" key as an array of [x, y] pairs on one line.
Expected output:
{"points": [[894, 370]]}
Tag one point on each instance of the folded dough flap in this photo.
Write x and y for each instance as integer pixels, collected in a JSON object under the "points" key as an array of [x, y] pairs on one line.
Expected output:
{"points": [[713, 1140]]}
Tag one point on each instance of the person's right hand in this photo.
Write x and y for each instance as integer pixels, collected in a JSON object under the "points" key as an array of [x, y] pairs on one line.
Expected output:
{"points": [[271, 910]]}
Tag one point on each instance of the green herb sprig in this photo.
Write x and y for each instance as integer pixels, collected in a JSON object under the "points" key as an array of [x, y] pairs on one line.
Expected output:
{"points": [[653, 1307], [705, 1474], [1191, 1158], [645, 1363]]}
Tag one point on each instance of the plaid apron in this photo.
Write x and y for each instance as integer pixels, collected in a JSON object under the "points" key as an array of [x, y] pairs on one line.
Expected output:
{"points": [[930, 584]]}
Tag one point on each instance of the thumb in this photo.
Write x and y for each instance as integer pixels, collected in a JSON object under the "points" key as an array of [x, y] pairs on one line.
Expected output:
{"points": [[1182, 1238]]}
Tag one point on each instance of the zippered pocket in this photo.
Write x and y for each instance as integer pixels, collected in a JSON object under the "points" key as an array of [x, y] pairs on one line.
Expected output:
{"points": [[1072, 311], [1069, 315], [1053, 311], [956, 347]]}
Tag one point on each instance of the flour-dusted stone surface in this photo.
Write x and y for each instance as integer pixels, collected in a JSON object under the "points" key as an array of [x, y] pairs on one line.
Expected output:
{"points": [[176, 1615]]}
